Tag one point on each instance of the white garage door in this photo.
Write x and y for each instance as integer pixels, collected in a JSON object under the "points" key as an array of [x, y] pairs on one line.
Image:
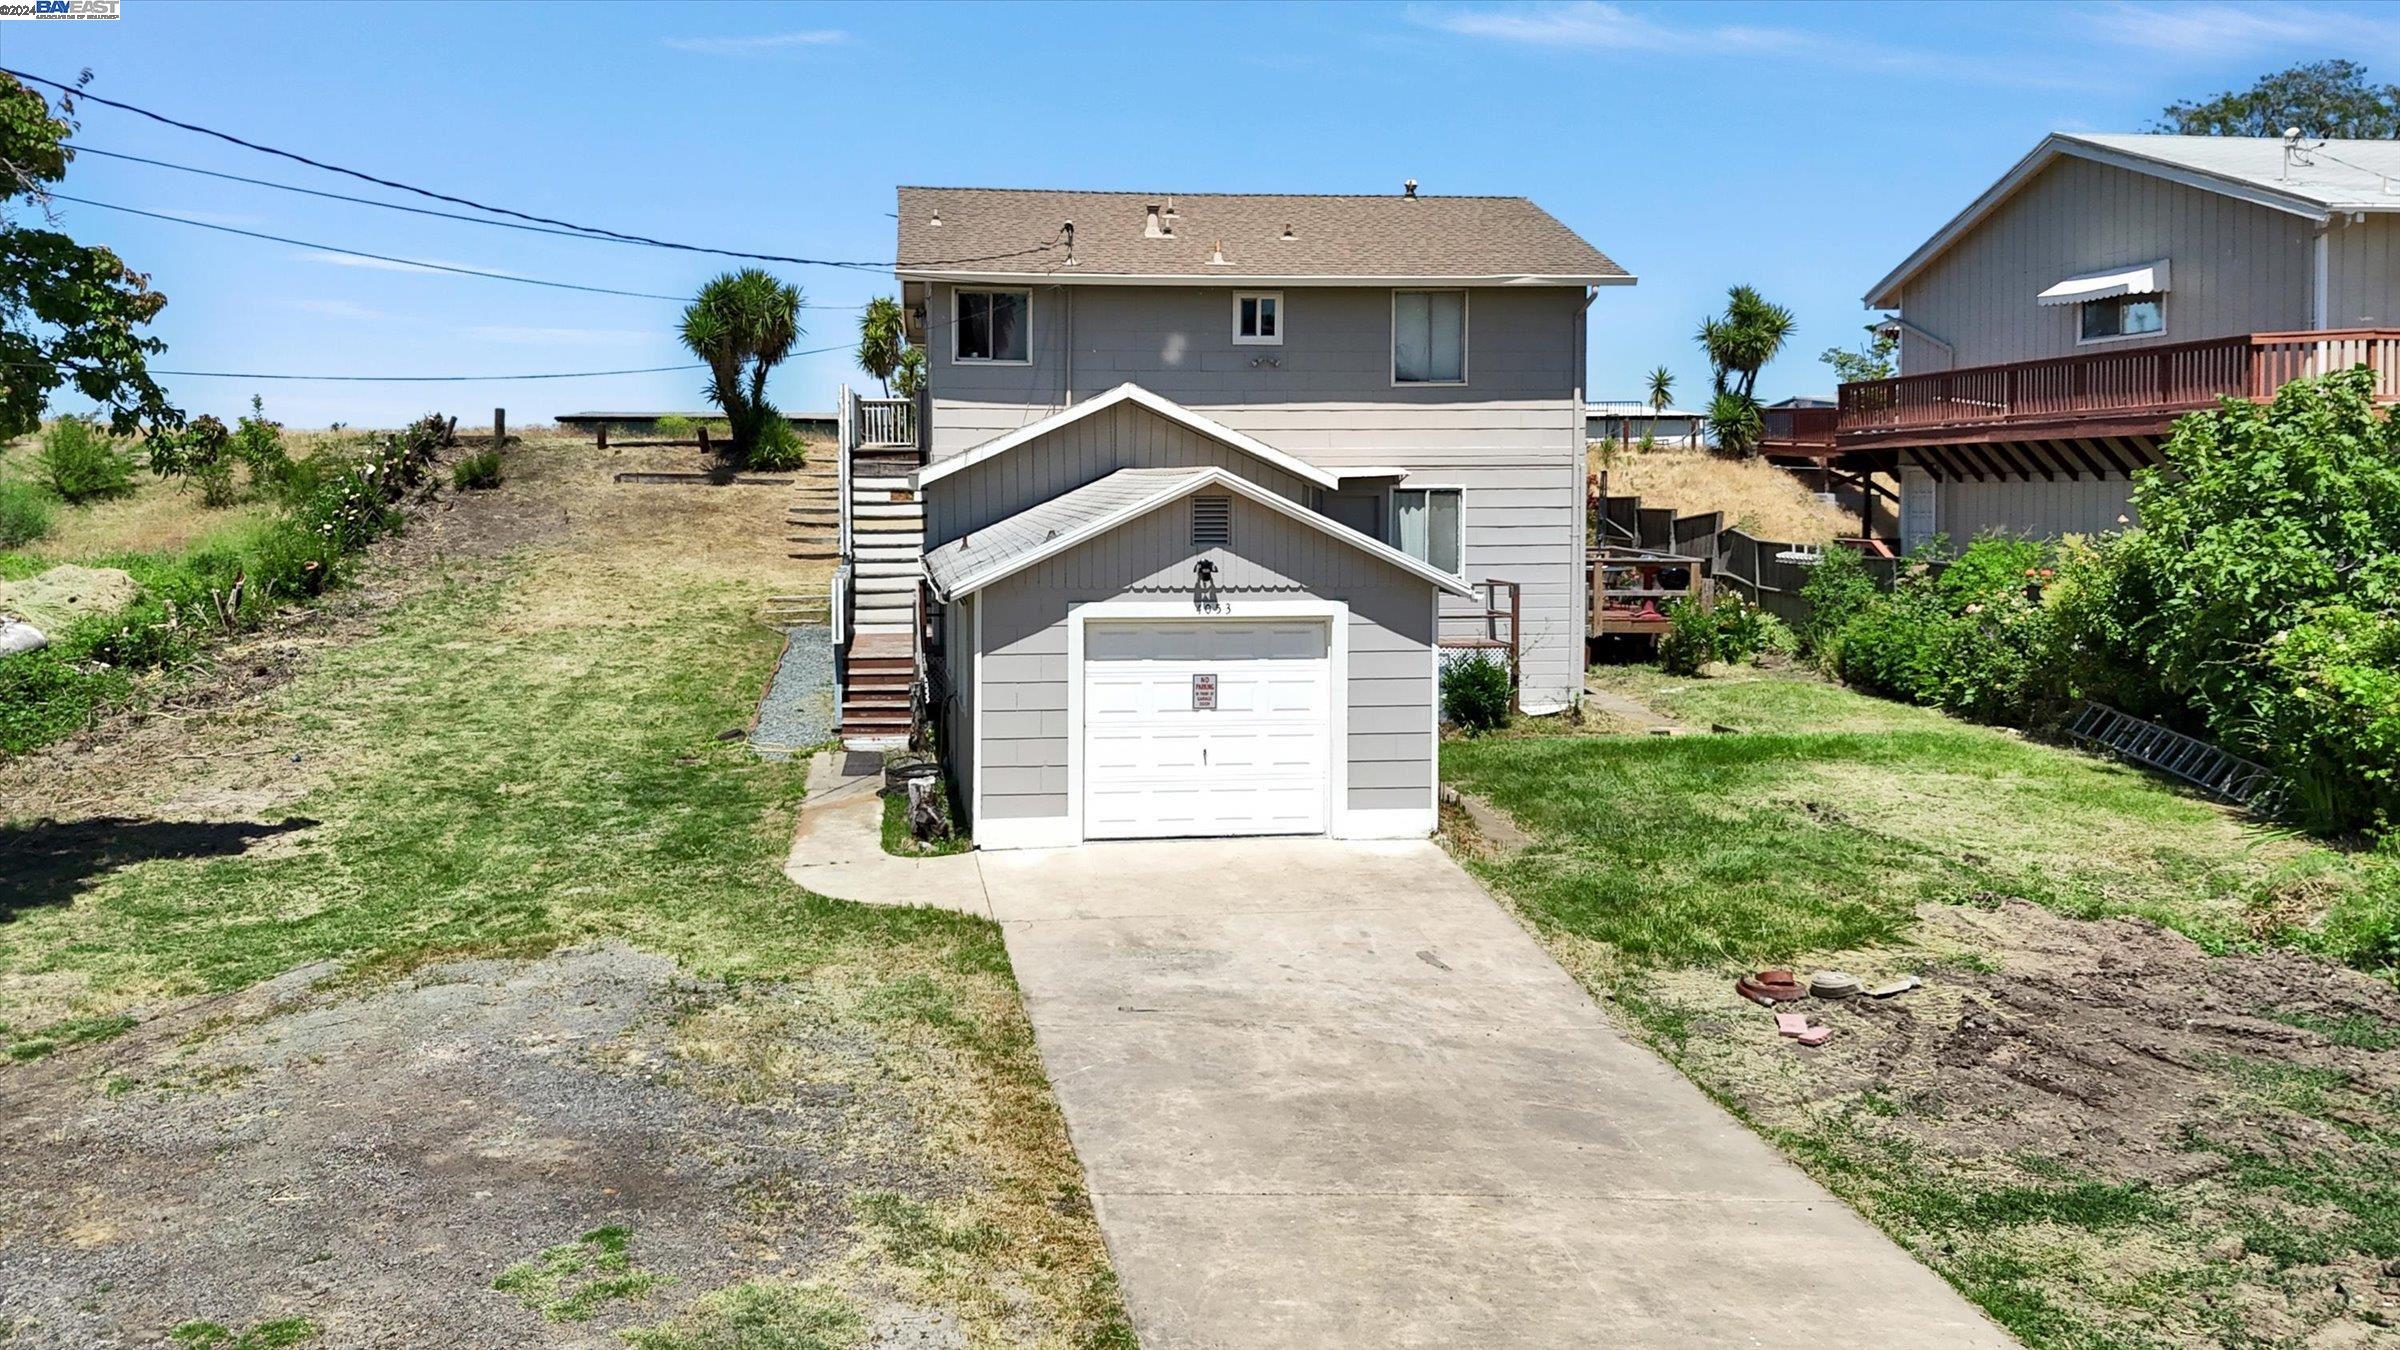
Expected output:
{"points": [[1159, 761]]}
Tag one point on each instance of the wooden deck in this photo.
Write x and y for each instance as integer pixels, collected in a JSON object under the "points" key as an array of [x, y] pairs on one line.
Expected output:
{"points": [[2132, 391]]}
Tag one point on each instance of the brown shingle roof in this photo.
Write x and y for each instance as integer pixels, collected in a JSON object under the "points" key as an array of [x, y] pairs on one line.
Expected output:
{"points": [[989, 231]]}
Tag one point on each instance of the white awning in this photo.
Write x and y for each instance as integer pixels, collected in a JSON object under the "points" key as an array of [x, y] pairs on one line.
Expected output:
{"points": [[2147, 279]]}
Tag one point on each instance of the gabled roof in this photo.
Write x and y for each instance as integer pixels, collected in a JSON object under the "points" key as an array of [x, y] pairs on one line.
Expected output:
{"points": [[1218, 239], [2322, 179], [1130, 393], [970, 563]]}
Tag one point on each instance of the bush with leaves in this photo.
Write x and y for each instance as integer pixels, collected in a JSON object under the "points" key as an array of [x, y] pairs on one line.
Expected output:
{"points": [[80, 463], [1730, 631], [24, 514], [1974, 638], [204, 452], [1838, 589], [476, 472], [1475, 693]]}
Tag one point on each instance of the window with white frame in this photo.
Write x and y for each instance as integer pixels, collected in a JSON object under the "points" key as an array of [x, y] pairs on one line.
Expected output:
{"points": [[2123, 316], [992, 326], [1429, 524], [1429, 337], [1258, 318]]}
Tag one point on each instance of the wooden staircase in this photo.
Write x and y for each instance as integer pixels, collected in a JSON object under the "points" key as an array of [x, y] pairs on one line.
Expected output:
{"points": [[885, 529], [812, 522]]}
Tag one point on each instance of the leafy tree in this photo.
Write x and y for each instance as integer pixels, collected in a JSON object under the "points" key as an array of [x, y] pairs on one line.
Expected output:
{"points": [[1872, 361], [909, 379], [1662, 388], [882, 338], [743, 324], [2322, 98], [1744, 339], [68, 313]]}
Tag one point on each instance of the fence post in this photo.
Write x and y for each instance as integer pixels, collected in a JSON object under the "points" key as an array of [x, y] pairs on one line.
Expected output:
{"points": [[704, 438], [604, 435], [499, 427]]}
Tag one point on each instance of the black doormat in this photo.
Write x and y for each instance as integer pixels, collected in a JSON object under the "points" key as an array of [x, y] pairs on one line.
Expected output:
{"points": [[860, 763]]}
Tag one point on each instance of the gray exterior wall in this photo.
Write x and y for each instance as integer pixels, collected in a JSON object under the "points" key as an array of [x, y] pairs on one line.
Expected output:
{"points": [[2235, 267], [1512, 437], [955, 688], [1026, 740], [1123, 437], [2038, 507], [2362, 273]]}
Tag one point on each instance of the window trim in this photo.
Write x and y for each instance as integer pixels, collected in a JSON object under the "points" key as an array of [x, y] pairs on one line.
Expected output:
{"points": [[957, 292], [2082, 341], [1466, 328], [1391, 521], [1238, 339]]}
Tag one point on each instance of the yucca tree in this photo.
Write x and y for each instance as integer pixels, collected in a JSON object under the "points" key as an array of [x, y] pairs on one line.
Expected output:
{"points": [[1662, 395], [1748, 335], [743, 324], [882, 340]]}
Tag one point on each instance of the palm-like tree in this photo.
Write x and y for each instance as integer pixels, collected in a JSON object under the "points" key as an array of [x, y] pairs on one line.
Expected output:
{"points": [[743, 324], [1750, 333], [882, 338], [1662, 395]]}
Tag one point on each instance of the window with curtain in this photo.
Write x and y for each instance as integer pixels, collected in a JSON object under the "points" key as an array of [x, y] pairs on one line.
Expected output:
{"points": [[991, 326], [2123, 316], [1429, 337], [1428, 525]]}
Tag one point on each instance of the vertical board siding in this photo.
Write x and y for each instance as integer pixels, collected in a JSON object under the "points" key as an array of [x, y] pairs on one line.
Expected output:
{"points": [[1026, 737], [2037, 507], [958, 708], [2234, 267], [2362, 266]]}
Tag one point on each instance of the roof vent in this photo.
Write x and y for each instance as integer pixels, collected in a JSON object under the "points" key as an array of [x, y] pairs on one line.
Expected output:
{"points": [[1409, 189], [1287, 231], [1217, 258], [1150, 227], [936, 222], [1212, 522]]}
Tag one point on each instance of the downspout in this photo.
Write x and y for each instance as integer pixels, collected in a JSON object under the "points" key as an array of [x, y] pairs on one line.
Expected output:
{"points": [[1066, 391], [2320, 298]]}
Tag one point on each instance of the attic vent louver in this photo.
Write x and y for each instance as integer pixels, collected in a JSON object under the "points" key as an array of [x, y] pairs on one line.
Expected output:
{"points": [[1212, 522]]}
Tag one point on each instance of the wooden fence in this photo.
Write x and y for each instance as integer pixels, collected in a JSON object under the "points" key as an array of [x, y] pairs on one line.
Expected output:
{"points": [[1733, 558]]}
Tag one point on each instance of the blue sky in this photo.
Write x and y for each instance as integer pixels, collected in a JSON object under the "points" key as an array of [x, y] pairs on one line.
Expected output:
{"points": [[1802, 148]]}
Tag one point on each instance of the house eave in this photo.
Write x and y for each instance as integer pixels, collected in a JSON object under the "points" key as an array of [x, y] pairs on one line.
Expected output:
{"points": [[1068, 277]]}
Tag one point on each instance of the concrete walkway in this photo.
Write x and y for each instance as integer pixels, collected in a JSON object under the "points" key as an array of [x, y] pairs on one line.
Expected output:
{"points": [[1329, 1094]]}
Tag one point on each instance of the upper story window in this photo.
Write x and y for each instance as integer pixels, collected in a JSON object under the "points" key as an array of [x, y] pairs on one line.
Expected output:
{"points": [[1258, 318], [1429, 337], [2123, 316], [992, 326], [1429, 524]]}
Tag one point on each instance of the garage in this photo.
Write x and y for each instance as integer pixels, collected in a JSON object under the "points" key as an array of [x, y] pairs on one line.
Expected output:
{"points": [[1203, 727]]}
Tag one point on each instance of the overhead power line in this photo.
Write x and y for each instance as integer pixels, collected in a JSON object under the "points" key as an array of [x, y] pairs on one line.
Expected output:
{"points": [[592, 230], [377, 257]]}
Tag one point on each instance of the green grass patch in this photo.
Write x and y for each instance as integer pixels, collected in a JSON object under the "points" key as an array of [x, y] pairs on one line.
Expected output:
{"points": [[762, 1315], [271, 1335], [574, 1280], [61, 1035], [2359, 1032]]}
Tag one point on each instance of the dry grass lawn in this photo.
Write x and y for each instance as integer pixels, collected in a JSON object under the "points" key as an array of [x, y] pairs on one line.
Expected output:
{"points": [[1754, 495]]}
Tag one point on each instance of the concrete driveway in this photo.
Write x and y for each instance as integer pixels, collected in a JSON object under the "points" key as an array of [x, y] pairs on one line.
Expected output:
{"points": [[1330, 1095]]}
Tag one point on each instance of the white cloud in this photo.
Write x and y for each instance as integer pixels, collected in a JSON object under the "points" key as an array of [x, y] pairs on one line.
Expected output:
{"points": [[760, 44], [1601, 26], [2213, 31], [337, 309], [391, 264], [555, 337]]}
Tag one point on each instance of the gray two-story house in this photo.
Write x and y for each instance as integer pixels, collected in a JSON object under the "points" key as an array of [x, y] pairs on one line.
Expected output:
{"points": [[2053, 330], [1204, 485]]}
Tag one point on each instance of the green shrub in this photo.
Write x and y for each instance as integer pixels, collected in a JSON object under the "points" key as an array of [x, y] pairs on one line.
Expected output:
{"points": [[477, 471], [2331, 699], [778, 447], [24, 514], [1838, 589], [1973, 638], [205, 453], [81, 464], [1475, 693], [1730, 631], [674, 427]]}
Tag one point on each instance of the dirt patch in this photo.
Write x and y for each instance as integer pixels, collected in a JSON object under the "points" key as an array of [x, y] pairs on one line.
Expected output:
{"points": [[373, 1160], [2252, 1095]]}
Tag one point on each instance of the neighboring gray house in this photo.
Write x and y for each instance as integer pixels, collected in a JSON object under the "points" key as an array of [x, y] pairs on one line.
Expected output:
{"points": [[2052, 332], [1203, 486], [1629, 421]]}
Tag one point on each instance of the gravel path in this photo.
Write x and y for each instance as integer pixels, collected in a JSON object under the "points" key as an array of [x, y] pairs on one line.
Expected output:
{"points": [[797, 713]]}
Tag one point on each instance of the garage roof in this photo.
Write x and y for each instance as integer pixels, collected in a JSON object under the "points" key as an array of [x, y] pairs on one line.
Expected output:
{"points": [[1130, 392], [971, 562]]}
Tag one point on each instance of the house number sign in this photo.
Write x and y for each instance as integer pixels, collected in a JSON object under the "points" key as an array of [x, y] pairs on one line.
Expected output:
{"points": [[1204, 693]]}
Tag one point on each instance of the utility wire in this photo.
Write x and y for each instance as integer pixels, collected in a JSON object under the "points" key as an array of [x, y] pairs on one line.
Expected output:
{"points": [[594, 230], [378, 257]]}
